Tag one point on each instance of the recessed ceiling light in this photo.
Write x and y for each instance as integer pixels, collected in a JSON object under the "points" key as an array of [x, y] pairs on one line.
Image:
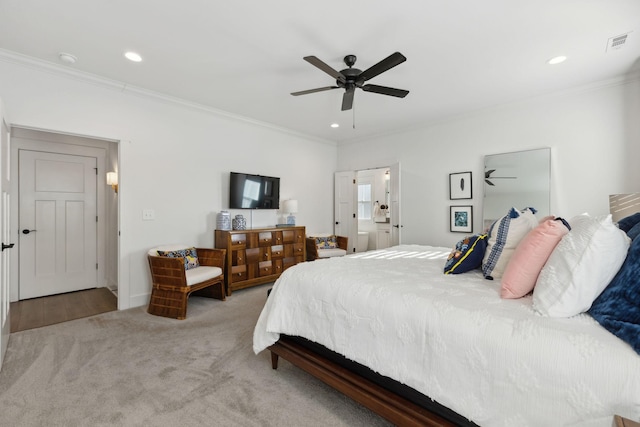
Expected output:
{"points": [[132, 56], [556, 60], [335, 125], [67, 58]]}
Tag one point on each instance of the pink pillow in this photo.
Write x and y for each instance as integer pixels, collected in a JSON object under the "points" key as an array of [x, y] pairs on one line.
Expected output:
{"points": [[530, 256]]}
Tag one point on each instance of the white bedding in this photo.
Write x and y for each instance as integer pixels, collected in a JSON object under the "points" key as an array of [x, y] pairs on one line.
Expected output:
{"points": [[453, 339]]}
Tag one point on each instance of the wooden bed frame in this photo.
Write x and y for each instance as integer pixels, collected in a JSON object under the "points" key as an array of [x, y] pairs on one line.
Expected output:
{"points": [[384, 402]]}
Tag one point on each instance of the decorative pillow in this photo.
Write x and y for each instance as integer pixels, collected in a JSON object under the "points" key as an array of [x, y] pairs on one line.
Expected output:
{"points": [[467, 254], [504, 236], [329, 242], [530, 256], [627, 223], [634, 232], [617, 308], [580, 267], [189, 254]]}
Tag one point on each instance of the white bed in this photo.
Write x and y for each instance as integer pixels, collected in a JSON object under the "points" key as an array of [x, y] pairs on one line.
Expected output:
{"points": [[452, 338]]}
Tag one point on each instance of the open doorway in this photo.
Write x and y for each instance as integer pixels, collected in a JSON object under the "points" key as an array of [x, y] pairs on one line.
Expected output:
{"points": [[79, 165], [367, 207]]}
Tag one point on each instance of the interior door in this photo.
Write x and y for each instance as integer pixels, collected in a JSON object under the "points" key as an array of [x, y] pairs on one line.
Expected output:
{"points": [[5, 234], [395, 217], [346, 222], [58, 223]]}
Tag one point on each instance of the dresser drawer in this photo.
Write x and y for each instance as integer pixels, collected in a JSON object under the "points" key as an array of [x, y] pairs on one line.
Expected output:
{"points": [[238, 273], [239, 240], [265, 239], [238, 257], [277, 252], [265, 268]]}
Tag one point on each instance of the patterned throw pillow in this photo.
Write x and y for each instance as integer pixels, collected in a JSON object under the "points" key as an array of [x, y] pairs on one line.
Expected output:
{"points": [[329, 242], [504, 236], [467, 255], [189, 254]]}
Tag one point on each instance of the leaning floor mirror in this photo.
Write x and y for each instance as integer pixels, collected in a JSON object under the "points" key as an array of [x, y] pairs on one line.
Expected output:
{"points": [[520, 179]]}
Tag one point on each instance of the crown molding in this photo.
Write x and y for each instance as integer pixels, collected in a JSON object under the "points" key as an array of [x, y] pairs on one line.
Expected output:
{"points": [[85, 77]]}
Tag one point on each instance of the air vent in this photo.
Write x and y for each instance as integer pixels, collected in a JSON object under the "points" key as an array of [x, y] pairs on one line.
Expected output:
{"points": [[616, 42]]}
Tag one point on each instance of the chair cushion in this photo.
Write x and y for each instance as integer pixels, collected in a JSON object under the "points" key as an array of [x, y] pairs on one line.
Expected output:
{"points": [[328, 253], [202, 273]]}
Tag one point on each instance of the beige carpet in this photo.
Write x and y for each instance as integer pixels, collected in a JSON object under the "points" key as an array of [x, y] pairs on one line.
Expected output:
{"points": [[130, 368]]}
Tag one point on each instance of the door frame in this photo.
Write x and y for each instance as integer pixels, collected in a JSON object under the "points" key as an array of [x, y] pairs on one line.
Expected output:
{"points": [[395, 191], [56, 142]]}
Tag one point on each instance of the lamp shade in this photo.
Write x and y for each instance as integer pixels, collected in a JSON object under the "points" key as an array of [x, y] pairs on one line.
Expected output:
{"points": [[112, 178], [290, 206]]}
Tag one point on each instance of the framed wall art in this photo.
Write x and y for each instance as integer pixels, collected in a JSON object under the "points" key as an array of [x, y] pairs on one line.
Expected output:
{"points": [[460, 186], [461, 218]]}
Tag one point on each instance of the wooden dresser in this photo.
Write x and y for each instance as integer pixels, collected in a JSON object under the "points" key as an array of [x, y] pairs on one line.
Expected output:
{"points": [[259, 255]]}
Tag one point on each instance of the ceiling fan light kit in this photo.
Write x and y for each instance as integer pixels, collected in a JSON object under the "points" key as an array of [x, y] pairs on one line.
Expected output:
{"points": [[351, 78]]}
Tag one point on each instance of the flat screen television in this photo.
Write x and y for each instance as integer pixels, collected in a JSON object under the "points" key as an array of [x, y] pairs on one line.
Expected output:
{"points": [[247, 191]]}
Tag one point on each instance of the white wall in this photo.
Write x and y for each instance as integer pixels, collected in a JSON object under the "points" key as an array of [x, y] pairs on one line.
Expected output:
{"points": [[593, 133], [174, 159]]}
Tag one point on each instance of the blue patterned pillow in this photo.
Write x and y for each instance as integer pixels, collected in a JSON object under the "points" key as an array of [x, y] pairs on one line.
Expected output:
{"points": [[467, 254], [617, 308], [330, 242], [190, 257], [504, 236]]}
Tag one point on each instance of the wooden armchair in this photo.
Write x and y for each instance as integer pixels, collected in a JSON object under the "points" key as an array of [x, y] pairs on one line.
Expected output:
{"points": [[173, 283], [313, 252]]}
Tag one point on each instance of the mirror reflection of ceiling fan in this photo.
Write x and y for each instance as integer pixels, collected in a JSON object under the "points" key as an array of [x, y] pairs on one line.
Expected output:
{"points": [[351, 78], [487, 175]]}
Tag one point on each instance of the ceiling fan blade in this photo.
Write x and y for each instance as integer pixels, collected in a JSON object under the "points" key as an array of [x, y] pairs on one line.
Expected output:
{"points": [[400, 93], [347, 99], [382, 66], [324, 67], [320, 89]]}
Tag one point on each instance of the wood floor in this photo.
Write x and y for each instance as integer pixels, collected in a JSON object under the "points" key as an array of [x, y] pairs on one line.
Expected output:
{"points": [[37, 312]]}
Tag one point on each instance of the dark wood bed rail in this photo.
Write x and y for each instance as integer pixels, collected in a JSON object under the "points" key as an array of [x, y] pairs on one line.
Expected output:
{"points": [[388, 405]]}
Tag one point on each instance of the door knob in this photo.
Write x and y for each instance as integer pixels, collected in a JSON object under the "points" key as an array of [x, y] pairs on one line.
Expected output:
{"points": [[25, 231], [9, 246]]}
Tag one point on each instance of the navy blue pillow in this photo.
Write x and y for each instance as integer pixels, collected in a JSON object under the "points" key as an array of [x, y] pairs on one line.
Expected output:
{"points": [[617, 309], [634, 232], [627, 223], [467, 255]]}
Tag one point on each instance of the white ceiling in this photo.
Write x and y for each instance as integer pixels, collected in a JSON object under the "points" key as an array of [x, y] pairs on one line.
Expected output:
{"points": [[245, 57]]}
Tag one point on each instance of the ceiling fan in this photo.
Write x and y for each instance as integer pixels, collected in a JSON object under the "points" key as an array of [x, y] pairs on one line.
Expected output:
{"points": [[352, 78]]}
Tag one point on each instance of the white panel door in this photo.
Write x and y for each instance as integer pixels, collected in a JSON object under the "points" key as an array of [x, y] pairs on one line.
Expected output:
{"points": [[58, 223], [394, 205], [345, 207], [5, 234]]}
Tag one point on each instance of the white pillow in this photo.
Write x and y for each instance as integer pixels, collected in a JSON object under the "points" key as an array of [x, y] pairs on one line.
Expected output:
{"points": [[504, 236], [580, 267]]}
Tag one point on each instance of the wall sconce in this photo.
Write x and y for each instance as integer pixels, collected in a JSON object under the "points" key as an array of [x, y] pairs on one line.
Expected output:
{"points": [[290, 206], [112, 180]]}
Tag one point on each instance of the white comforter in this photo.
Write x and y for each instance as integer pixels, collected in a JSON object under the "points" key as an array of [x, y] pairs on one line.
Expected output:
{"points": [[453, 339]]}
